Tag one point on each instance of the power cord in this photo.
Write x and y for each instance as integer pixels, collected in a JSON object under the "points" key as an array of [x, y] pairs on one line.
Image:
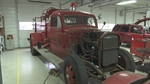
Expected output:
{"points": [[46, 78], [53, 72]]}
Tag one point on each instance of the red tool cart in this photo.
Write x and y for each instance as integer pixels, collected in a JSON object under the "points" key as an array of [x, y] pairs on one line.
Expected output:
{"points": [[140, 46]]}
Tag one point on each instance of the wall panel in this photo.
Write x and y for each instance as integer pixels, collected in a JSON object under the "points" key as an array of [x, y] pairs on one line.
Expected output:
{"points": [[8, 8], [26, 12]]}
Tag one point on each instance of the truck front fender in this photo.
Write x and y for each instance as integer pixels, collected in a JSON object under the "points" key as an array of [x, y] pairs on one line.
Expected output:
{"points": [[123, 77]]}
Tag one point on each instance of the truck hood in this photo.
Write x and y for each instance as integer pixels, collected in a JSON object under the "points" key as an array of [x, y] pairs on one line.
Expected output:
{"points": [[79, 30]]}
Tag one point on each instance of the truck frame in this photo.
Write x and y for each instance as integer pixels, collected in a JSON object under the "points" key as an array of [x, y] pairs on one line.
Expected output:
{"points": [[72, 42]]}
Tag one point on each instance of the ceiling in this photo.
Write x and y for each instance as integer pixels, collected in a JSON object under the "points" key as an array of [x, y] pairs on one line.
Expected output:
{"points": [[141, 6]]}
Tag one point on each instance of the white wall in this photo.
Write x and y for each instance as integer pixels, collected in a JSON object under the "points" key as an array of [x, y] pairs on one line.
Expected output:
{"points": [[8, 8], [129, 17], [111, 16], [24, 12]]}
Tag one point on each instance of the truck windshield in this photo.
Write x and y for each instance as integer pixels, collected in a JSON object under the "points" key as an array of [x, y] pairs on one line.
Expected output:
{"points": [[79, 20]]}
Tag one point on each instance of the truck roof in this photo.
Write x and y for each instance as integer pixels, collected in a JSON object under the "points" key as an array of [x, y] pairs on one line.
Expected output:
{"points": [[67, 12], [130, 24], [63, 12]]}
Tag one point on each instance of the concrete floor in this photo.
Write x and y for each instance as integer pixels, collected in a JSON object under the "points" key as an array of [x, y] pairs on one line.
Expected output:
{"points": [[20, 67]]}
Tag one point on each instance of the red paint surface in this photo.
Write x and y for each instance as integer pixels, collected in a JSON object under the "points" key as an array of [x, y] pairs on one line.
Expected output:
{"points": [[126, 36], [123, 77], [60, 39], [139, 42]]}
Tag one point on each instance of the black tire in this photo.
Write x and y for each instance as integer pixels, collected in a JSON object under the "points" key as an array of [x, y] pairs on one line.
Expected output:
{"points": [[126, 60], [33, 51], [78, 68]]}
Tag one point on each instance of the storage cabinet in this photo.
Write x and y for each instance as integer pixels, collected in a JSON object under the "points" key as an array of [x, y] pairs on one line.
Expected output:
{"points": [[9, 42]]}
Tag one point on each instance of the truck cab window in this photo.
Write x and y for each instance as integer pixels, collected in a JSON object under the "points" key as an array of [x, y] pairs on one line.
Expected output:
{"points": [[116, 27], [135, 30], [74, 20], [125, 29], [87, 20], [56, 22]]}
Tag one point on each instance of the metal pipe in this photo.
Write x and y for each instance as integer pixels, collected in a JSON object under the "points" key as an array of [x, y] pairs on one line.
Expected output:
{"points": [[91, 9], [120, 67], [138, 8], [135, 8], [35, 20], [87, 63], [17, 17], [60, 5], [142, 20], [40, 2], [133, 16], [65, 2], [35, 26], [84, 4], [125, 14], [92, 75], [116, 16], [46, 30], [102, 3]]}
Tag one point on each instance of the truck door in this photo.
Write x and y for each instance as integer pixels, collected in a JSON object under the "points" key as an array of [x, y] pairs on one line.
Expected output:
{"points": [[56, 35], [124, 33], [135, 30]]}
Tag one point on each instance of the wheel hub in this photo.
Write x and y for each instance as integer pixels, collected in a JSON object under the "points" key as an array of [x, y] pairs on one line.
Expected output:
{"points": [[70, 74]]}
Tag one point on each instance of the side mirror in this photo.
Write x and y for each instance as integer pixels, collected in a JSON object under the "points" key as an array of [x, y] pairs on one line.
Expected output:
{"points": [[104, 23]]}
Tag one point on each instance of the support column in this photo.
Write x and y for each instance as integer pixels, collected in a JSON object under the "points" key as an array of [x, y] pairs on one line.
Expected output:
{"points": [[60, 5], [17, 22], [116, 16], [133, 17], [125, 14], [91, 9]]}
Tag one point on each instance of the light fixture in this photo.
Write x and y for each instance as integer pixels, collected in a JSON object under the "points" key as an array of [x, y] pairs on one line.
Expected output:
{"points": [[126, 2]]}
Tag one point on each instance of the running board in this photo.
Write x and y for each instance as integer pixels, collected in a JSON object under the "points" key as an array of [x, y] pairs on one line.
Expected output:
{"points": [[50, 57]]}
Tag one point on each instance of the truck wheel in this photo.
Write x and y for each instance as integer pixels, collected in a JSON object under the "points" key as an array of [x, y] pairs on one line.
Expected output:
{"points": [[126, 60], [74, 70], [33, 51]]}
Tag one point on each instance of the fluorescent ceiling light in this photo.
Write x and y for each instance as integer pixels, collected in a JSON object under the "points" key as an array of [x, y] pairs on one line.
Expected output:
{"points": [[127, 2]]}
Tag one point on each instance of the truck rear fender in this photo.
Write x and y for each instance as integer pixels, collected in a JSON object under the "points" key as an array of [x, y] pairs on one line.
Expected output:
{"points": [[36, 37]]}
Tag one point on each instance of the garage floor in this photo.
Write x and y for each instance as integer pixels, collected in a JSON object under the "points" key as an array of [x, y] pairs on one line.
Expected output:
{"points": [[20, 67]]}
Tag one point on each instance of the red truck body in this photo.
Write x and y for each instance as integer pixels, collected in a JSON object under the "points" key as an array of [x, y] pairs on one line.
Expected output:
{"points": [[60, 35], [125, 31], [64, 28], [140, 45]]}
